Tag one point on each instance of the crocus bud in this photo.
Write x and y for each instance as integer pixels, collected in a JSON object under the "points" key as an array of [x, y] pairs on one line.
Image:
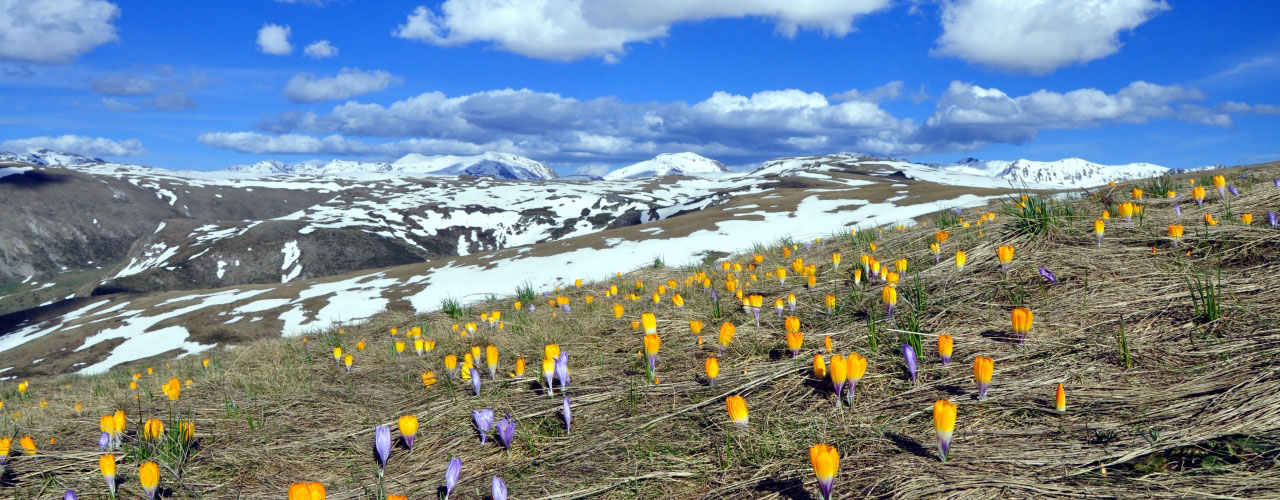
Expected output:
{"points": [[382, 445], [498, 489]]}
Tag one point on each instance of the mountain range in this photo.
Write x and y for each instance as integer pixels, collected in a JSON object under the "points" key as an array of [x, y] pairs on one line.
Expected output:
{"points": [[1064, 173]]}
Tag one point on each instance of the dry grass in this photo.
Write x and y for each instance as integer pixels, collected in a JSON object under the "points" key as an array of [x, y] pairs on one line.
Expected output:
{"points": [[1195, 414]]}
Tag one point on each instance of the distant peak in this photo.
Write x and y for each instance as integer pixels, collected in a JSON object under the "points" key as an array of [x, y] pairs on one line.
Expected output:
{"points": [[685, 163]]}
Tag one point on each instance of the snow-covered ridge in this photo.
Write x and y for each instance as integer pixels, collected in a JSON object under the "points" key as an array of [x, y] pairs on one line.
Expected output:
{"points": [[669, 164], [1068, 172], [45, 157], [491, 164]]}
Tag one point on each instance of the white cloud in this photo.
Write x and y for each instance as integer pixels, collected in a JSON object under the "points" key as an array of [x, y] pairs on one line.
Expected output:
{"points": [[123, 83], [89, 146], [726, 126], [1233, 107], [320, 50], [273, 39], [1038, 36], [1266, 109], [116, 105], [1258, 68], [350, 82], [889, 91], [172, 101], [54, 31], [567, 30]]}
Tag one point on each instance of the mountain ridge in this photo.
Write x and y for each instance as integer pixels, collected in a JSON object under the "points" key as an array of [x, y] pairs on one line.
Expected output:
{"points": [[504, 166]]}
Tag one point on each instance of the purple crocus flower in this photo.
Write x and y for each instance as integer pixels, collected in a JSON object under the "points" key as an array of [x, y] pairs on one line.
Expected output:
{"points": [[484, 420], [566, 308], [568, 416], [1233, 190], [451, 476], [909, 355], [808, 246], [1177, 209], [475, 380], [715, 297], [562, 370], [104, 442], [382, 445], [71, 495], [505, 431], [1048, 275], [499, 489], [956, 210], [1276, 182], [1271, 217]]}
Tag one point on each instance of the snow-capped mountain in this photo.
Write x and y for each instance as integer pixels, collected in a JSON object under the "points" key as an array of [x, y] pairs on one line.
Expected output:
{"points": [[47, 157], [491, 164], [496, 165], [668, 164], [1068, 172]]}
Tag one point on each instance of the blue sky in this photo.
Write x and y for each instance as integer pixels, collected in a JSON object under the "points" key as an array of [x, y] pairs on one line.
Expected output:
{"points": [[593, 84]]}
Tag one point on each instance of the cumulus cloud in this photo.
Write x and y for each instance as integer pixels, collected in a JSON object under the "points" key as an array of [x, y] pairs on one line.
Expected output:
{"points": [[123, 83], [1038, 36], [605, 128], [172, 101], [320, 50], [273, 39], [592, 169], [726, 126], [54, 31], [88, 146], [349, 82], [968, 116], [567, 30]]}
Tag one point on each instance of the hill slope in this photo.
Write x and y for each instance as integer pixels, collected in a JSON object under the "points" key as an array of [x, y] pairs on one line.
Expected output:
{"points": [[1163, 400]]}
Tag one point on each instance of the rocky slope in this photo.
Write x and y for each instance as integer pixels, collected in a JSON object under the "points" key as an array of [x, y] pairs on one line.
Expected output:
{"points": [[55, 219]]}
